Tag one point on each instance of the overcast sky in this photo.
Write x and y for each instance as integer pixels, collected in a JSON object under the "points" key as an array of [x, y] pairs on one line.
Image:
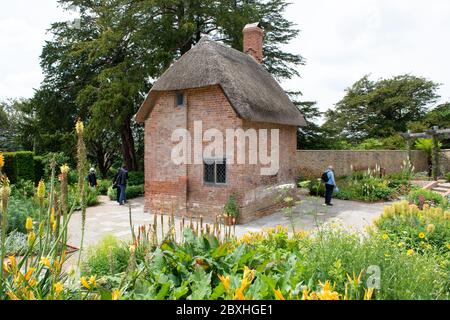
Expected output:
{"points": [[341, 40]]}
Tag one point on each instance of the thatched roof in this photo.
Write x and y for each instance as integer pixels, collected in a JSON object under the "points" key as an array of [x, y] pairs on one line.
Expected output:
{"points": [[249, 87]]}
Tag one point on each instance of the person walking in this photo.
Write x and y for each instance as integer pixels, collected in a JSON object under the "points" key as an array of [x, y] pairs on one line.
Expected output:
{"points": [[330, 185], [121, 181], [92, 178]]}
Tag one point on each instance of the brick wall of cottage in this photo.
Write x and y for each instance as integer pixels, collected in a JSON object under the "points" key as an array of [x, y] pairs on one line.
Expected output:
{"points": [[181, 187]]}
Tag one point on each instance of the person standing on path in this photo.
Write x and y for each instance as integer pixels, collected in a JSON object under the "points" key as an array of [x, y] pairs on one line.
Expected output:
{"points": [[330, 185], [92, 178], [121, 182]]}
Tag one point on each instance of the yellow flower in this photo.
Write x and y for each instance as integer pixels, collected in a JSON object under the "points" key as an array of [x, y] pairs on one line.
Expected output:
{"points": [[2, 160], [29, 273], [93, 281], [305, 294], [56, 265], [29, 224], [52, 215], [431, 228], [288, 199], [12, 262], [448, 246], [41, 228], [32, 282], [239, 294], [249, 274], [410, 252], [327, 292], [422, 235], [279, 295], [58, 287], [116, 294], [79, 127], [401, 244], [225, 281], [31, 238], [41, 190], [6, 267], [45, 261], [385, 236], [65, 169], [368, 293], [12, 296], [85, 283]]}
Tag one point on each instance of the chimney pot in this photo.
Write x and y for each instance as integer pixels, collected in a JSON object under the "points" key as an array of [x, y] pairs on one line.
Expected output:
{"points": [[253, 41]]}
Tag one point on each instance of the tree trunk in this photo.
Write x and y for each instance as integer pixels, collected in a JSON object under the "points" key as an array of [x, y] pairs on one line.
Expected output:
{"points": [[128, 151]]}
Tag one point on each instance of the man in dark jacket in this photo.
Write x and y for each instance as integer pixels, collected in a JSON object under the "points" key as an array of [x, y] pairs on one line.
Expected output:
{"points": [[92, 178], [121, 182]]}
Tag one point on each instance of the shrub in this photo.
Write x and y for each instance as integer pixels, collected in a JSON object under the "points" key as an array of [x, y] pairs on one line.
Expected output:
{"points": [[39, 169], [270, 261], [91, 197], [131, 192], [432, 198], [19, 165], [103, 186], [416, 229], [109, 257], [18, 211], [23, 189], [231, 207], [135, 178], [16, 243], [363, 188]]}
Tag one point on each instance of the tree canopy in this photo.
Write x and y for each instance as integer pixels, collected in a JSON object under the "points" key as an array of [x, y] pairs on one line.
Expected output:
{"points": [[380, 109], [100, 69]]}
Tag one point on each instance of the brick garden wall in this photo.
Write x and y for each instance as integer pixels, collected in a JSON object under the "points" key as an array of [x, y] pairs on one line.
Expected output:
{"points": [[312, 162], [445, 161]]}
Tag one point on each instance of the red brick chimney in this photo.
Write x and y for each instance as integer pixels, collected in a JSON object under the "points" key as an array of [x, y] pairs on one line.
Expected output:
{"points": [[253, 41]]}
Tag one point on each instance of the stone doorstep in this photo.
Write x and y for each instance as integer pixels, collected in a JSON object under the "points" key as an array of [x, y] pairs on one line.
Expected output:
{"points": [[440, 190]]}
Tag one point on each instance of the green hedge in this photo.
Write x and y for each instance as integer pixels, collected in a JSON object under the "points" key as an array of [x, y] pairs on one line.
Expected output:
{"points": [[39, 169], [23, 165], [19, 166], [131, 192], [136, 178]]}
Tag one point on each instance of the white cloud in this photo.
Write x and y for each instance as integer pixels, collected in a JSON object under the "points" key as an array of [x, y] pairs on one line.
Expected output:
{"points": [[341, 40], [344, 40], [23, 31]]}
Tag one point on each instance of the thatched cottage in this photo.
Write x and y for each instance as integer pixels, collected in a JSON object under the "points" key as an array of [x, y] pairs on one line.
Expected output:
{"points": [[223, 89]]}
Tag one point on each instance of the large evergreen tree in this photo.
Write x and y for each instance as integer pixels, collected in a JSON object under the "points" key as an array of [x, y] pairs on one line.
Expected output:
{"points": [[100, 69]]}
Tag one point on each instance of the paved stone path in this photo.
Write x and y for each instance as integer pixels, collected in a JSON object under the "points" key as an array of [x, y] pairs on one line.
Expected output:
{"points": [[110, 218]]}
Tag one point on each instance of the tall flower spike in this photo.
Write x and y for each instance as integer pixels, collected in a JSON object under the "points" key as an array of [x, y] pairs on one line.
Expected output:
{"points": [[65, 169], [29, 224], [41, 190], [2, 161], [79, 127]]}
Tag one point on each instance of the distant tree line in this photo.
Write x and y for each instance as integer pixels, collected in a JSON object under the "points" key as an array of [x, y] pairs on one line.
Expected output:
{"points": [[372, 114]]}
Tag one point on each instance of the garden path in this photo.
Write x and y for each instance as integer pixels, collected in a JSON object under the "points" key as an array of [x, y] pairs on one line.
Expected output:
{"points": [[110, 218]]}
